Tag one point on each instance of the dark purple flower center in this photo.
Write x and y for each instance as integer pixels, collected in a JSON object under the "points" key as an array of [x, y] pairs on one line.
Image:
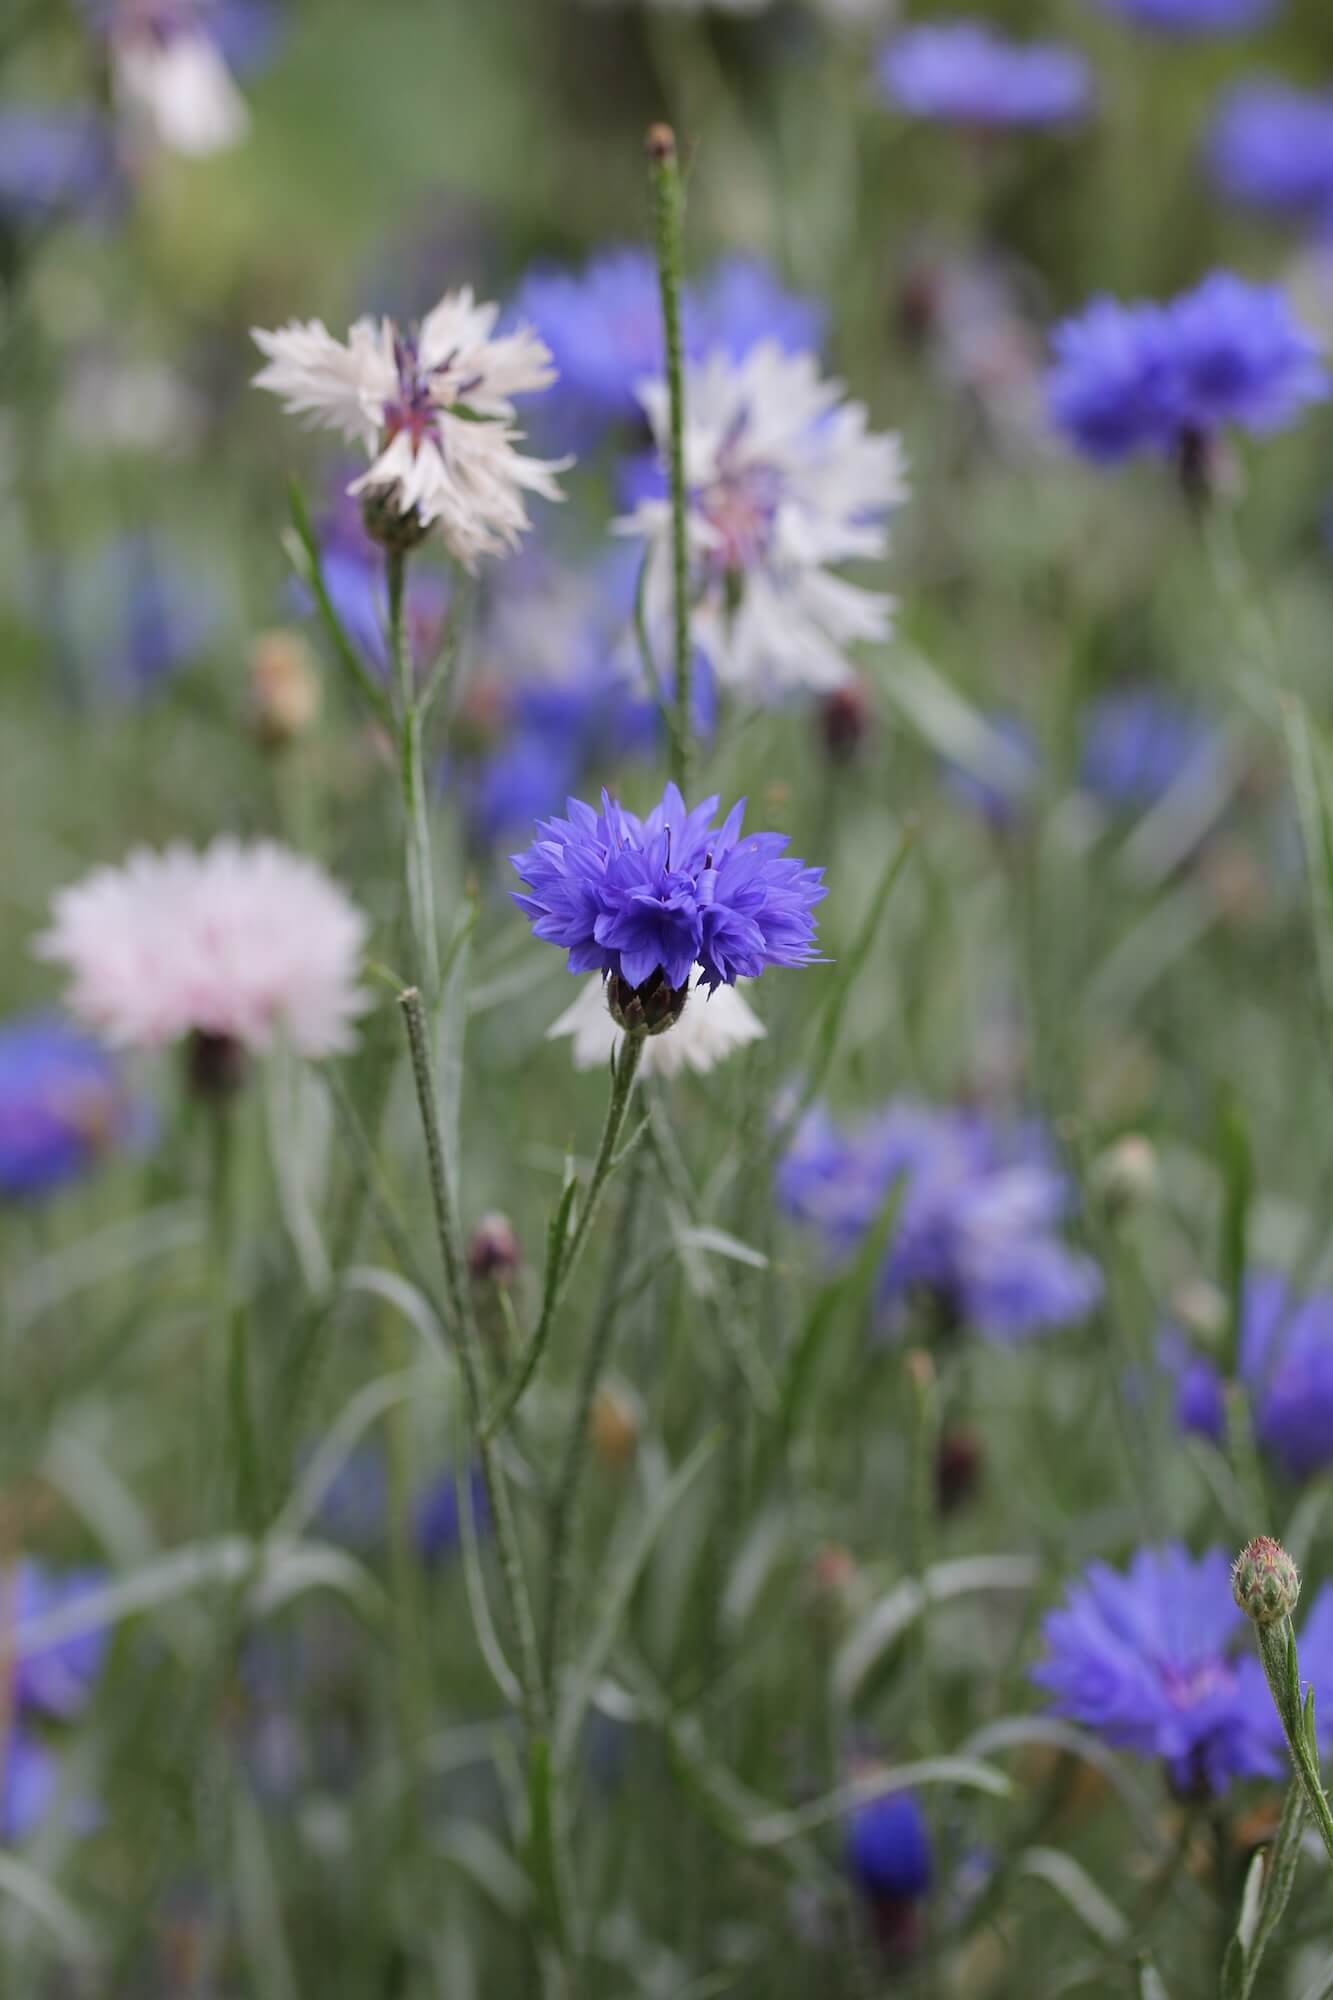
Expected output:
{"points": [[422, 392]]}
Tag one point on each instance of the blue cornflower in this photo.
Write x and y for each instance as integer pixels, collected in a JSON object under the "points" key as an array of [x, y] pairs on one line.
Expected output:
{"points": [[1271, 148], [1285, 1363], [603, 326], [965, 73], [1139, 743], [1168, 378], [54, 162], [1193, 17], [438, 1521], [57, 1681], [62, 1104], [888, 1848], [31, 1776], [977, 1225], [646, 901], [1160, 1662]]}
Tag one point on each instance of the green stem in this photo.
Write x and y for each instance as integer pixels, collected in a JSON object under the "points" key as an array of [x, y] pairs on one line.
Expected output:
{"points": [[417, 851], [668, 216], [233, 1329], [564, 1502], [1277, 1650], [471, 1362], [567, 1254]]}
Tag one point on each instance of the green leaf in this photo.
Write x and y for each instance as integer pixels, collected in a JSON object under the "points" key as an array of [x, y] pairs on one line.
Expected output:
{"points": [[1237, 1170], [1075, 1887], [962, 1773], [1309, 778], [1255, 1931], [53, 1910], [307, 563], [847, 1293], [511, 1390], [886, 1621], [543, 1836], [848, 972]]}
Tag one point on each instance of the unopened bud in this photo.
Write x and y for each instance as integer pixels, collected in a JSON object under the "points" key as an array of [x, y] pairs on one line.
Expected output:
{"points": [[284, 688], [1264, 1581], [649, 1009], [660, 144], [959, 1464], [1125, 1175], [493, 1254], [614, 1424]]}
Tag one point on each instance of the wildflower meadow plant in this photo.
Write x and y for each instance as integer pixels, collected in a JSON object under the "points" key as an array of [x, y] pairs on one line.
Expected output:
{"points": [[660, 1214]]}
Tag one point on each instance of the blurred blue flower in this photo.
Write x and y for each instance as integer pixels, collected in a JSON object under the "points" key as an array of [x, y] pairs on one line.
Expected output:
{"points": [[643, 898], [1159, 1661], [354, 1505], [353, 570], [966, 73], [1193, 17], [62, 1105], [28, 1782], [1271, 147], [1131, 378], [146, 615], [438, 1515], [977, 1226], [1285, 1363], [58, 1680], [54, 162], [888, 1848], [603, 326], [1138, 743]]}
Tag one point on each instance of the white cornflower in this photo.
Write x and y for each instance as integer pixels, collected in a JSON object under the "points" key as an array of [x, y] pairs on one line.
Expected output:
{"points": [[434, 411], [784, 480], [238, 944], [712, 1026], [170, 78]]}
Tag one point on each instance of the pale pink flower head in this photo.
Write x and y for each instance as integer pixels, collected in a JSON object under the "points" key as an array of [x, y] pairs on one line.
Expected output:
{"points": [[244, 943]]}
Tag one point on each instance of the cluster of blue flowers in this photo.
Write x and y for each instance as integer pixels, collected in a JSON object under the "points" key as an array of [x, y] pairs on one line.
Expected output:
{"points": [[1159, 1661], [1160, 378], [649, 900], [975, 1231], [1285, 1364], [1193, 17], [965, 73]]}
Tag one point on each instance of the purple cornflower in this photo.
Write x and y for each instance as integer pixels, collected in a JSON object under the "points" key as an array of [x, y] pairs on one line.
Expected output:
{"points": [[1285, 1363], [977, 1225], [54, 162], [1168, 378], [889, 1858], [603, 326], [62, 1105], [648, 901], [1271, 147], [964, 73], [1160, 1662], [1193, 17], [1138, 744]]}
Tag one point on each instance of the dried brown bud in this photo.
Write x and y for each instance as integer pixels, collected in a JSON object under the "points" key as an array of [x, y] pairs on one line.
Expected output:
{"points": [[284, 688], [660, 144]]}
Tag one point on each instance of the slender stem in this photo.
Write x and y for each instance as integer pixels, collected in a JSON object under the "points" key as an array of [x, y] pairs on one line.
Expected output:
{"points": [[575, 1455], [231, 1316], [417, 852], [471, 1362], [1277, 1650], [668, 216], [566, 1255]]}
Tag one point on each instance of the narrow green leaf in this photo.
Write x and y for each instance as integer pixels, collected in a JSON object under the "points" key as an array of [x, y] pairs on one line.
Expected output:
{"points": [[543, 1835], [849, 971], [511, 1390], [1076, 1888], [1310, 786], [1237, 1170], [847, 1293], [1278, 1869]]}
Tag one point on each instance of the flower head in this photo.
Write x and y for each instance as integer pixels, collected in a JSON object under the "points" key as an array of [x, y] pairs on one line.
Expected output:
{"points": [[62, 1104], [785, 480], [1133, 378], [648, 901], [1158, 1661], [964, 73], [976, 1229], [888, 1848], [1285, 1364], [238, 943], [1264, 1581], [1272, 148], [1139, 743], [171, 68], [1193, 17], [53, 163], [434, 411], [704, 1036]]}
